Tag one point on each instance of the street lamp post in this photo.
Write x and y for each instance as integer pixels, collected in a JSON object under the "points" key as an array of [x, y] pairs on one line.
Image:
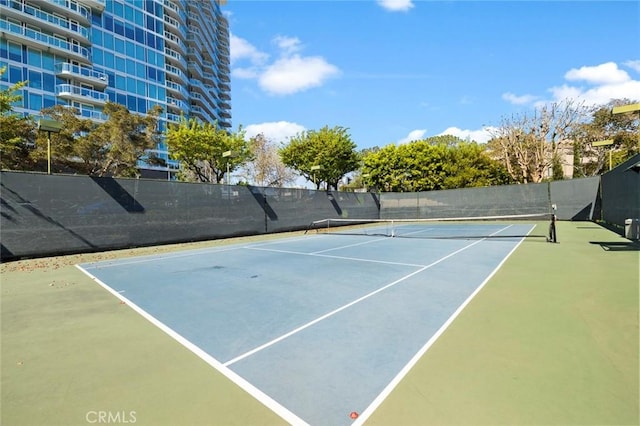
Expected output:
{"points": [[49, 126], [313, 171], [228, 155], [606, 142]]}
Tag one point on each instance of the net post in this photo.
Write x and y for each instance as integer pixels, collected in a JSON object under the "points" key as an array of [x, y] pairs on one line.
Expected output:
{"points": [[393, 229]]}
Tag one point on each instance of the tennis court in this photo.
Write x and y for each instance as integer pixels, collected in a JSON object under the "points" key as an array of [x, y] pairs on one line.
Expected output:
{"points": [[317, 327], [552, 338]]}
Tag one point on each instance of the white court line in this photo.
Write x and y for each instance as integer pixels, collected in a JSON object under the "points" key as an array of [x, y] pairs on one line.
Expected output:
{"points": [[405, 370], [228, 373], [348, 305], [349, 245], [357, 259], [154, 258]]}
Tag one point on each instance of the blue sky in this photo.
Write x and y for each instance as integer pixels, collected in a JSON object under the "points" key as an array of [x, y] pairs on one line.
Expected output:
{"points": [[399, 70]]}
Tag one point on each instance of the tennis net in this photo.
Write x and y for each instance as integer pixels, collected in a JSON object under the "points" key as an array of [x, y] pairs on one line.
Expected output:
{"points": [[479, 227]]}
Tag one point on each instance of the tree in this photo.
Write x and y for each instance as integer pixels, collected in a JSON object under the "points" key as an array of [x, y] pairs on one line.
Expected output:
{"points": [[528, 144], [267, 168], [621, 128], [15, 130], [200, 148], [115, 147], [431, 164], [68, 147], [324, 155]]}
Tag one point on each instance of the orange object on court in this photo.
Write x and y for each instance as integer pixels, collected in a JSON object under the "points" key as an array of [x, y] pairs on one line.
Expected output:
{"points": [[354, 415]]}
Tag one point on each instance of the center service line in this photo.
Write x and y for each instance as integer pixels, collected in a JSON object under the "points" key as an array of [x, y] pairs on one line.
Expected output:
{"points": [[342, 308]]}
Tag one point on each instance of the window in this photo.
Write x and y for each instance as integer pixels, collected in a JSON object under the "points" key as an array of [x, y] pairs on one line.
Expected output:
{"points": [[131, 102], [34, 57], [119, 45], [35, 80], [108, 60], [142, 88], [108, 41], [15, 52], [96, 36], [47, 60], [121, 82], [121, 98], [142, 105], [35, 101], [131, 49], [120, 64], [48, 82], [131, 67], [98, 56], [129, 31], [118, 26], [131, 85], [49, 101]]}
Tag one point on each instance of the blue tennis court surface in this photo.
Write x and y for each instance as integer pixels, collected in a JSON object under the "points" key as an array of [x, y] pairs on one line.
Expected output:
{"points": [[317, 326]]}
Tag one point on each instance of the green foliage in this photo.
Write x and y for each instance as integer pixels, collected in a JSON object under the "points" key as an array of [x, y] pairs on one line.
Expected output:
{"points": [[431, 164], [15, 130], [324, 155], [68, 151], [200, 148], [623, 129]]}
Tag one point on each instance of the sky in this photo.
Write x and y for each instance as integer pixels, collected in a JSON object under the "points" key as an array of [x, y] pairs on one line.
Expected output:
{"points": [[393, 71]]}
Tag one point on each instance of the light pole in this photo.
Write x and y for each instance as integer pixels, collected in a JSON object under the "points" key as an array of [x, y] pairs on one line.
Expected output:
{"points": [[49, 126], [622, 109], [228, 155], [313, 171], [606, 142]]}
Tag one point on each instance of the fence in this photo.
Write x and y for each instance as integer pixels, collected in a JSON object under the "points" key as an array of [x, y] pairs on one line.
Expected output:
{"points": [[57, 214]]}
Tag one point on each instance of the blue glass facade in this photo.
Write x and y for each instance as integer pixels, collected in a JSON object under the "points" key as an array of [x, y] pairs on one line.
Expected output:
{"points": [[139, 53]]}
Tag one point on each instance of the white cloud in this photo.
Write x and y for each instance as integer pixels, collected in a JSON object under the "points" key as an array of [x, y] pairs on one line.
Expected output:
{"points": [[598, 95], [289, 74], [288, 45], [607, 73], [277, 131], [518, 100], [295, 74], [414, 135], [240, 48], [634, 65], [244, 73], [592, 85], [480, 136], [396, 5]]}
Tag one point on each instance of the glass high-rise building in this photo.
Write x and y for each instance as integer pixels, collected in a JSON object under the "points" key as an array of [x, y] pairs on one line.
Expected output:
{"points": [[138, 53]]}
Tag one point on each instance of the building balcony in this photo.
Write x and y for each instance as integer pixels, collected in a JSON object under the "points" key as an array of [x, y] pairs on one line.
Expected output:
{"points": [[175, 11], [174, 118], [176, 89], [98, 5], [175, 24], [38, 18], [176, 73], [84, 74], [177, 103], [90, 114], [72, 9], [176, 57], [195, 70], [175, 42], [81, 94], [40, 40]]}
